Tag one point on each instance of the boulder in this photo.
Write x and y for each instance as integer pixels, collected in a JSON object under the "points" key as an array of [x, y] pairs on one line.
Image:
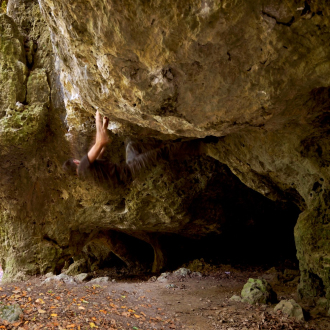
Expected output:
{"points": [[290, 308], [258, 291]]}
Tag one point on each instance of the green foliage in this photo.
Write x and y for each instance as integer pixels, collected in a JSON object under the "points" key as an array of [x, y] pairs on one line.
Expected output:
{"points": [[3, 8]]}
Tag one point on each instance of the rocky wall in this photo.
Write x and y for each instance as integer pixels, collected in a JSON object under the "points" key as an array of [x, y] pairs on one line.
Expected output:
{"points": [[254, 73]]}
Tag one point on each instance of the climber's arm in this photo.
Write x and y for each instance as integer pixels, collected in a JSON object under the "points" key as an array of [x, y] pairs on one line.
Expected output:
{"points": [[102, 138]]}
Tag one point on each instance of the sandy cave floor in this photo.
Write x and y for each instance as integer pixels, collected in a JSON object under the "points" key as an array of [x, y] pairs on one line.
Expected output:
{"points": [[180, 303]]}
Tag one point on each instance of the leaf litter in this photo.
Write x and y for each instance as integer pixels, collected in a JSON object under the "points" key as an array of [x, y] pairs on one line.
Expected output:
{"points": [[200, 304]]}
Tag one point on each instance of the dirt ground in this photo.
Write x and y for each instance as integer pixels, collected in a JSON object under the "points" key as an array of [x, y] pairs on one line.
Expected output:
{"points": [[198, 303]]}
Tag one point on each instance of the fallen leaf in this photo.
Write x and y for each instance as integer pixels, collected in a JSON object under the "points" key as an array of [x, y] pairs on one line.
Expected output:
{"points": [[92, 325], [71, 326], [53, 315], [41, 311], [40, 301], [137, 316], [80, 307]]}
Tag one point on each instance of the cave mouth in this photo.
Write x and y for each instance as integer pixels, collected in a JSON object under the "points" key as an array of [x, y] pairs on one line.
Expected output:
{"points": [[263, 238]]}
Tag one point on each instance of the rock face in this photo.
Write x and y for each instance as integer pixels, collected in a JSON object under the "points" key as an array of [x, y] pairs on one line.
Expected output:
{"points": [[254, 73]]}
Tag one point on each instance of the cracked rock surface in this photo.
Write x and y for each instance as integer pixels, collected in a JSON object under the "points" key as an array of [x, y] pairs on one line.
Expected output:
{"points": [[254, 73]]}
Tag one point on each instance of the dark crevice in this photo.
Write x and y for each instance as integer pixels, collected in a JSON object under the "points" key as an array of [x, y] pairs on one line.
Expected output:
{"points": [[278, 22], [229, 56], [48, 239], [307, 9]]}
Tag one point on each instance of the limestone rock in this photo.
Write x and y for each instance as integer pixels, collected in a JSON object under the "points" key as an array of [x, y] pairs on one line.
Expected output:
{"points": [[271, 275], [163, 277], [255, 74], [291, 274], [82, 277], [38, 90], [257, 291], [158, 69], [183, 272], [62, 277], [10, 313], [13, 71], [99, 280], [196, 274], [290, 308], [79, 266], [235, 298]]}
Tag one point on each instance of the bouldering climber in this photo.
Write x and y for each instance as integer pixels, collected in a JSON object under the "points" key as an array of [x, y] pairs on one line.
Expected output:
{"points": [[138, 157]]}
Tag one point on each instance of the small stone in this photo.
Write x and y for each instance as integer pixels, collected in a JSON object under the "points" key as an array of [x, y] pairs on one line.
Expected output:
{"points": [[196, 274], [152, 279], [235, 298], [48, 275]]}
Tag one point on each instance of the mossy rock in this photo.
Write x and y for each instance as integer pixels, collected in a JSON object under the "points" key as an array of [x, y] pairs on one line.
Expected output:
{"points": [[290, 308], [78, 267], [10, 313], [258, 291]]}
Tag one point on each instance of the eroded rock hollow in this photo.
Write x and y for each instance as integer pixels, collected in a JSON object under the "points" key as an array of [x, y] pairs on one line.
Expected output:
{"points": [[255, 74]]}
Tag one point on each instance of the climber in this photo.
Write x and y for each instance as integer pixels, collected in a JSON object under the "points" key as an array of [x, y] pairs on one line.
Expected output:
{"points": [[138, 157]]}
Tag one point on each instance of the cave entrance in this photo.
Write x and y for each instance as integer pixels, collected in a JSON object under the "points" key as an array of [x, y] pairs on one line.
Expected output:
{"points": [[260, 236]]}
